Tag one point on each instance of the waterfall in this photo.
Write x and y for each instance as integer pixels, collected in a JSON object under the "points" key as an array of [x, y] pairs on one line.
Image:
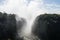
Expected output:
{"points": [[26, 30]]}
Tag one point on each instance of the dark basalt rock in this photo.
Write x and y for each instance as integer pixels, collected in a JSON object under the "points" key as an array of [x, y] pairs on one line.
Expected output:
{"points": [[8, 28], [47, 27]]}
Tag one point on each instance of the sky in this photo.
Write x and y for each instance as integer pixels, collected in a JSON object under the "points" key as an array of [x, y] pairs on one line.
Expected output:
{"points": [[29, 9]]}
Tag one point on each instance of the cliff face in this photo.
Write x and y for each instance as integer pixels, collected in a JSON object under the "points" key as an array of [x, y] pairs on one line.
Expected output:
{"points": [[47, 26], [8, 27]]}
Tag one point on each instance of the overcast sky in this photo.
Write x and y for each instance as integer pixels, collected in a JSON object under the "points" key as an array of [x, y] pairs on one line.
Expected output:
{"points": [[30, 7]]}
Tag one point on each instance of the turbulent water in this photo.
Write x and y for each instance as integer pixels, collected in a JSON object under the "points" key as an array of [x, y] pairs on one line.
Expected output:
{"points": [[27, 28]]}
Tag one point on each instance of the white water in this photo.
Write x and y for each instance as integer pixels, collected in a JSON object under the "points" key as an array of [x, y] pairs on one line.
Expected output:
{"points": [[27, 28]]}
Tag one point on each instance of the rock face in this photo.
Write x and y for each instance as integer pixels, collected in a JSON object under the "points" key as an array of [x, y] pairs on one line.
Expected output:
{"points": [[8, 28], [47, 27]]}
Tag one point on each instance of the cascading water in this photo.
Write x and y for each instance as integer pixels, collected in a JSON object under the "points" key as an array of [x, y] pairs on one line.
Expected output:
{"points": [[27, 28]]}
